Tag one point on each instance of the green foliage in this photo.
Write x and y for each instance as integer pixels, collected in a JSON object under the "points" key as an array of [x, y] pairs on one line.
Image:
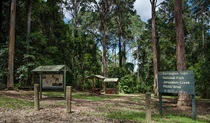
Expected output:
{"points": [[52, 41], [3, 70], [22, 75], [127, 84]]}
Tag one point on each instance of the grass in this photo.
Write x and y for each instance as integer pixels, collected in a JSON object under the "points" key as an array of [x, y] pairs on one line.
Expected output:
{"points": [[176, 119], [12, 103], [87, 96], [53, 93], [80, 95], [127, 115], [112, 110], [140, 117]]}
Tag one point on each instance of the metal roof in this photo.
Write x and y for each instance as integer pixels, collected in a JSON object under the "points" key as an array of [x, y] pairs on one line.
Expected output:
{"points": [[51, 68], [111, 80], [95, 76]]}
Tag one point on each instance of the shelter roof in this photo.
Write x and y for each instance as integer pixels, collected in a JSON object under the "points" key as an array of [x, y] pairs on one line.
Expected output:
{"points": [[51, 68], [96, 76], [111, 80]]}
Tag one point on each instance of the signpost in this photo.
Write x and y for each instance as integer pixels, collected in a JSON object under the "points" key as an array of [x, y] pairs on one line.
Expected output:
{"points": [[178, 82]]}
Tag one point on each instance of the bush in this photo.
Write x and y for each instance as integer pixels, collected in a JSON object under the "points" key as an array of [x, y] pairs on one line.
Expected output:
{"points": [[127, 84]]}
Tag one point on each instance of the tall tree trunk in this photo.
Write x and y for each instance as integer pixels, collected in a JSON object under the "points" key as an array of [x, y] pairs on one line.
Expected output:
{"points": [[78, 59], [75, 4], [1, 22], [138, 70], [104, 63], [119, 22], [105, 10], [203, 31], [183, 99], [154, 47], [120, 46], [28, 9], [10, 77], [124, 52]]}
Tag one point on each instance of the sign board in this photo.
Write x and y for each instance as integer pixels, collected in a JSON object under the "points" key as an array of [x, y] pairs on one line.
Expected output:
{"points": [[179, 82], [52, 81]]}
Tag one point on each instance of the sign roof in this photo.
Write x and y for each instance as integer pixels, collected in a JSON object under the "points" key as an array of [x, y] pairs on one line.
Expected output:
{"points": [[96, 76], [51, 68], [111, 80]]}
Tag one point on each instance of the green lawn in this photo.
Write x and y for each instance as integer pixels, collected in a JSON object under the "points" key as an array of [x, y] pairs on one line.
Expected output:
{"points": [[14, 103]]}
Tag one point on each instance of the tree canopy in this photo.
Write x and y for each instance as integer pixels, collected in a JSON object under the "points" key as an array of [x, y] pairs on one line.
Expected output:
{"points": [[104, 37]]}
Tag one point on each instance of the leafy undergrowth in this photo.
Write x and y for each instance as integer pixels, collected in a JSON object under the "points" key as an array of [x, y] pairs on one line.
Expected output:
{"points": [[100, 108]]}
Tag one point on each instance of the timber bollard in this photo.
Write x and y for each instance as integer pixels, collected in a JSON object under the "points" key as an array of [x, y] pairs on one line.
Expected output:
{"points": [[68, 99], [36, 97], [148, 106]]}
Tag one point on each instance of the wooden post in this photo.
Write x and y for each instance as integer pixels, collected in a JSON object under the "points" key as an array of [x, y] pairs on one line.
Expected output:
{"points": [[40, 87], [68, 99], [148, 107], [193, 107], [36, 97], [160, 103], [105, 87], [64, 82]]}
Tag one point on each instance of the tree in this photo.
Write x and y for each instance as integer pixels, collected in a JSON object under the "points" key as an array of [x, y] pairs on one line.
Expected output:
{"points": [[184, 99], [10, 79], [154, 47], [122, 15], [1, 21], [28, 12], [105, 8]]}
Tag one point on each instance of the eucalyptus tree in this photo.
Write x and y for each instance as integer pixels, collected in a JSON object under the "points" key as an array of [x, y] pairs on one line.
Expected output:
{"points": [[10, 80], [122, 11], [28, 12], [184, 99], [200, 10], [154, 47], [165, 36], [197, 44], [73, 7], [101, 10], [136, 29]]}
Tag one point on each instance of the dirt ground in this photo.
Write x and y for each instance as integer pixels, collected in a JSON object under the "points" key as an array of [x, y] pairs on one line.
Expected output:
{"points": [[53, 109]]}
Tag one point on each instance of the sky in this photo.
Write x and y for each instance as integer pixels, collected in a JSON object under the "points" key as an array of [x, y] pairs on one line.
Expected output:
{"points": [[143, 8]]}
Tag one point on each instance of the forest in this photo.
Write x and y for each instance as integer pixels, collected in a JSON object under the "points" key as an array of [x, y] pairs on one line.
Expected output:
{"points": [[104, 37]]}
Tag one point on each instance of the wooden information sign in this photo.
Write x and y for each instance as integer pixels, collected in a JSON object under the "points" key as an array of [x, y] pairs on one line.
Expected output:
{"points": [[178, 82]]}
